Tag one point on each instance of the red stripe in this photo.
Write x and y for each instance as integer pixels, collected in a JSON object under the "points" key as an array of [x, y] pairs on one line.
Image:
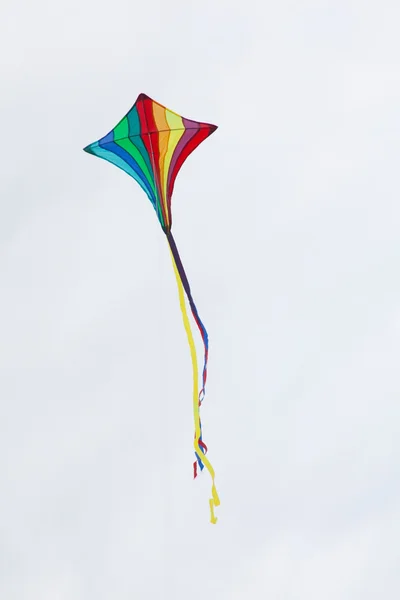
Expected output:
{"points": [[144, 129], [203, 446], [151, 142], [192, 144]]}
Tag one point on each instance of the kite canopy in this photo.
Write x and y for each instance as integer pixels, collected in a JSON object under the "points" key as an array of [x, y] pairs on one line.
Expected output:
{"points": [[151, 143]]}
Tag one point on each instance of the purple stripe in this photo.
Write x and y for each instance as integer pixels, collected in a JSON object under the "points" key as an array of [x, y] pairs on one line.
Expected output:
{"points": [[189, 133]]}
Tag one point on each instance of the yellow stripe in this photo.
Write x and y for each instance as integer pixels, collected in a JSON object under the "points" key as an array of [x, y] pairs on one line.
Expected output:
{"points": [[174, 122], [214, 501]]}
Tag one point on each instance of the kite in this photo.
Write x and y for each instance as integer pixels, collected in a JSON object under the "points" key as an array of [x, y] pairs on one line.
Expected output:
{"points": [[151, 143]]}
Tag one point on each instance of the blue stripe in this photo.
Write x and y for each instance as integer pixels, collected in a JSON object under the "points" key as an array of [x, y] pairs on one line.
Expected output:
{"points": [[127, 158], [107, 138], [119, 162]]}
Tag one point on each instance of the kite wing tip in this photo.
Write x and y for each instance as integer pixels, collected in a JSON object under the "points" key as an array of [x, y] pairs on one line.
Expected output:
{"points": [[143, 96], [89, 148]]}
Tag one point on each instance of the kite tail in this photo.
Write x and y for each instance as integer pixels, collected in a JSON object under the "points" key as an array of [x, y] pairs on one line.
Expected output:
{"points": [[204, 335], [195, 313], [199, 446]]}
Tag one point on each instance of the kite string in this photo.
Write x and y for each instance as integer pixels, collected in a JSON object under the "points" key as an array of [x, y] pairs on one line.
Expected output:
{"points": [[214, 500]]}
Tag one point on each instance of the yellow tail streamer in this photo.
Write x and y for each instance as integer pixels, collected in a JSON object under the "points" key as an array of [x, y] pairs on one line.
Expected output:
{"points": [[214, 500]]}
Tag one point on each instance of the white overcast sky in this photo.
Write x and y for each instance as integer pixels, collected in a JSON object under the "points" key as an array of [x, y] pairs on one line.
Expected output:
{"points": [[287, 220]]}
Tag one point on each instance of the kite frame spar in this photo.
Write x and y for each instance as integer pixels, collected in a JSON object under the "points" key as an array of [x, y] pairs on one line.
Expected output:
{"points": [[151, 143]]}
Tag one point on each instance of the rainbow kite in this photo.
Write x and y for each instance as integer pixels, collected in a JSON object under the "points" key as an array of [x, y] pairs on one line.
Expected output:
{"points": [[151, 143]]}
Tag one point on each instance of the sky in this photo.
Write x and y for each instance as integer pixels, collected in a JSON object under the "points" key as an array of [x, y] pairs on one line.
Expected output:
{"points": [[287, 222]]}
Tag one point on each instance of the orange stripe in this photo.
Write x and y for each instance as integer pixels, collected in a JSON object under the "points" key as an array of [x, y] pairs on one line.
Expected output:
{"points": [[163, 138]]}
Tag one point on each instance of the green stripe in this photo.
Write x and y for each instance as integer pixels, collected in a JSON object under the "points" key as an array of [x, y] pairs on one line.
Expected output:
{"points": [[134, 129], [130, 125], [127, 145]]}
